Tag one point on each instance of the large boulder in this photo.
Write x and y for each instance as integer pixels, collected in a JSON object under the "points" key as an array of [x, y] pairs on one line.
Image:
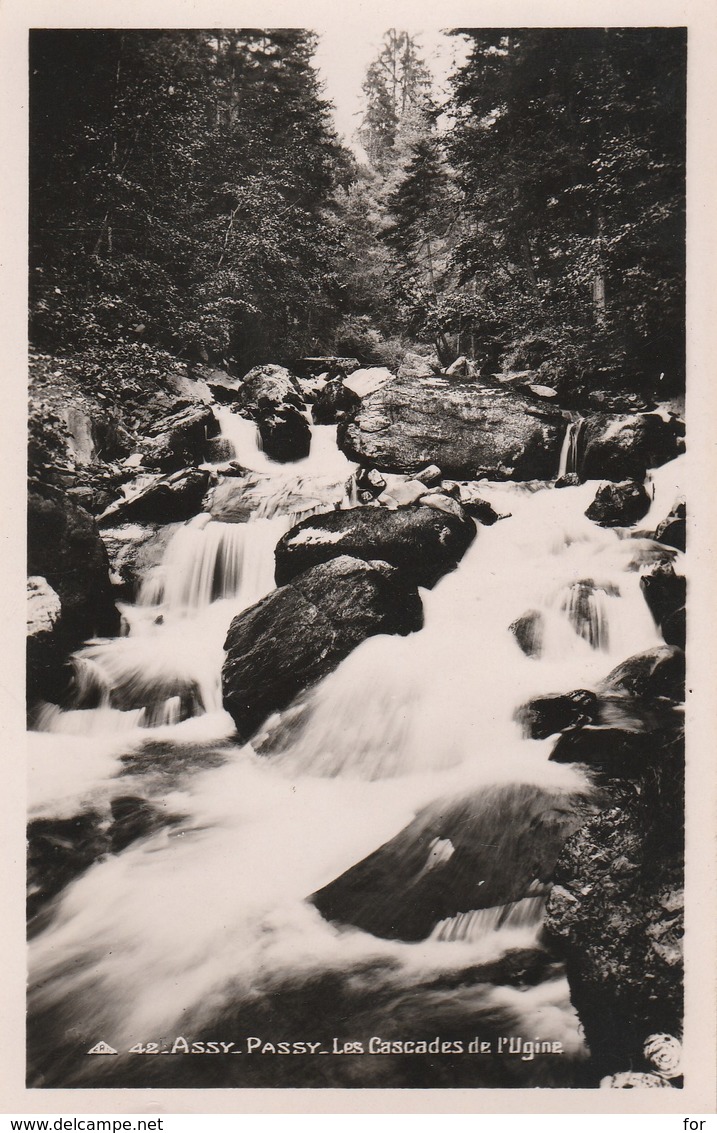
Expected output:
{"points": [[65, 548], [43, 607], [300, 632], [423, 542], [45, 651], [543, 716], [611, 751], [334, 403], [272, 397], [417, 366], [673, 529], [366, 381], [665, 593], [624, 447], [657, 673], [285, 434], [468, 429], [483, 850], [167, 499], [616, 915], [619, 505], [180, 439], [267, 388]]}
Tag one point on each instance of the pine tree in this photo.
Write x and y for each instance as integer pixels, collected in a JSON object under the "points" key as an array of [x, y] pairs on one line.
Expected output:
{"points": [[182, 188], [397, 88], [570, 150]]}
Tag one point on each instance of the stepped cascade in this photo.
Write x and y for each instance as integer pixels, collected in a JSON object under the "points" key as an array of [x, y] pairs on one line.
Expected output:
{"points": [[204, 924]]}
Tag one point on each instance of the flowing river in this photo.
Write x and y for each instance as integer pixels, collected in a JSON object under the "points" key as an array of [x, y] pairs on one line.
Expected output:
{"points": [[201, 930]]}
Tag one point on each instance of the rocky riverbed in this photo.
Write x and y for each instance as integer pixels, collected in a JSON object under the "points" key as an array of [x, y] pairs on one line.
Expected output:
{"points": [[371, 591]]}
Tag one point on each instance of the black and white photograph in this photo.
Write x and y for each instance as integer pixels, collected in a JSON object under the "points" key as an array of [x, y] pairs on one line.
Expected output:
{"points": [[358, 557]]}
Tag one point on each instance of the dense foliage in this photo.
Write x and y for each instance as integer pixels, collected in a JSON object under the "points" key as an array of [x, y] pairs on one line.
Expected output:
{"points": [[569, 148], [543, 226], [181, 189], [189, 198]]}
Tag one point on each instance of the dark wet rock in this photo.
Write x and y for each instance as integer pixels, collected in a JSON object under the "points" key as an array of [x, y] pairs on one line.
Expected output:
{"points": [[674, 628], [467, 429], [484, 512], [616, 914], [528, 631], [180, 439], [285, 435], [619, 505], [370, 480], [569, 480], [168, 499], [300, 632], [149, 691], [616, 447], [334, 403], [422, 542], [65, 548], [658, 672], [545, 715], [518, 967], [673, 529], [615, 752], [469, 496], [618, 401], [665, 593], [59, 850], [133, 818], [485, 849]]}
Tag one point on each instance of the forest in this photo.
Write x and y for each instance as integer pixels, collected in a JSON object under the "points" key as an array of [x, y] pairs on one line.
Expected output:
{"points": [[190, 199]]}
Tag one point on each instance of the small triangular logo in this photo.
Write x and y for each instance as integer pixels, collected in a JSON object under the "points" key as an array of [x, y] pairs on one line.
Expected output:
{"points": [[103, 1048]]}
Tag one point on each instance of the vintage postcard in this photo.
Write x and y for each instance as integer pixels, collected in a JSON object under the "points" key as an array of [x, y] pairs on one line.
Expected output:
{"points": [[363, 756]]}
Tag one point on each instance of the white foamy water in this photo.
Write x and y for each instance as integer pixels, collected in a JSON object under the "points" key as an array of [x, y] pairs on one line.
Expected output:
{"points": [[190, 922]]}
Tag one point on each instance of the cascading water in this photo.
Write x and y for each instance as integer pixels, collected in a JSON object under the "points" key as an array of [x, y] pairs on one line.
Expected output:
{"points": [[201, 928], [570, 452]]}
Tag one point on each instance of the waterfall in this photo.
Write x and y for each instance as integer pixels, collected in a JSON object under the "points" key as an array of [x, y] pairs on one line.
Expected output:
{"points": [[569, 453], [201, 926], [475, 924], [242, 438]]}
